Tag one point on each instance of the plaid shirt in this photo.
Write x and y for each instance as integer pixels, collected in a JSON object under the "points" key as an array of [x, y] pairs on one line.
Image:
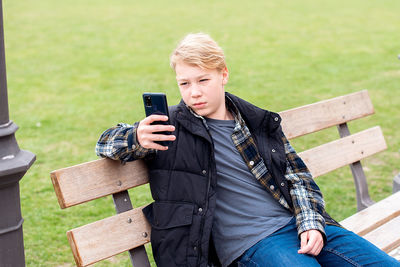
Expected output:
{"points": [[119, 143]]}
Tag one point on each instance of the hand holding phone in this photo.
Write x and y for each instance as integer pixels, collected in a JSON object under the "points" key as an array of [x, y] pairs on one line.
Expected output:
{"points": [[155, 131]]}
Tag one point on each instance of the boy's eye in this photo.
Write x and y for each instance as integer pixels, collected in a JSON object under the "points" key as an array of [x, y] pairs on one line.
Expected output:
{"points": [[183, 83], [204, 80]]}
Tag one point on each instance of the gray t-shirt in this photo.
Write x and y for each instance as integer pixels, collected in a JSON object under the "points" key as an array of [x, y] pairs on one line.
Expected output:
{"points": [[245, 212]]}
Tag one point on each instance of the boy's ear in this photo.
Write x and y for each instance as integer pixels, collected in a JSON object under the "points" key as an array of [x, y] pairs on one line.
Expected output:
{"points": [[225, 76]]}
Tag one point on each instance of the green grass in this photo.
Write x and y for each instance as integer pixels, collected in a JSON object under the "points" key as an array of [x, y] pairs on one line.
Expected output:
{"points": [[76, 68]]}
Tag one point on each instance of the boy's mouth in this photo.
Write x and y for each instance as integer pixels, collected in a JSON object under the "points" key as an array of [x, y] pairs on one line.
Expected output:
{"points": [[199, 105]]}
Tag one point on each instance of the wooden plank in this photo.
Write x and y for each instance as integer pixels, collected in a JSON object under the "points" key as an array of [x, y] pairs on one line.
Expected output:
{"points": [[108, 237], [324, 114], [95, 179], [369, 219], [387, 236], [333, 155]]}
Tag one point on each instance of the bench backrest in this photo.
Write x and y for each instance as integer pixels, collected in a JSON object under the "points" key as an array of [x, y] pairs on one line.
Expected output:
{"points": [[99, 178]]}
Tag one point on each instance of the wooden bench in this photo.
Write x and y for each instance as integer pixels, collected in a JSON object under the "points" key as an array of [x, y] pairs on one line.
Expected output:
{"points": [[129, 230]]}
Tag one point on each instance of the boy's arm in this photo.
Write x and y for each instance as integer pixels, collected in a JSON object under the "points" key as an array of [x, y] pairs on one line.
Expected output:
{"points": [[308, 202], [120, 143]]}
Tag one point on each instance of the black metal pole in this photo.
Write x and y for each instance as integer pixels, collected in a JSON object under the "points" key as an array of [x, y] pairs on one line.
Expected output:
{"points": [[3, 80], [13, 165]]}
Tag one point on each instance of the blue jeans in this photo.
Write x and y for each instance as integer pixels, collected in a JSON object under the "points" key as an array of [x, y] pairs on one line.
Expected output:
{"points": [[344, 248]]}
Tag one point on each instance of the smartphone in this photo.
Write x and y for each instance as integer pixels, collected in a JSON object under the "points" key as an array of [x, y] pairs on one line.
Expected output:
{"points": [[156, 103]]}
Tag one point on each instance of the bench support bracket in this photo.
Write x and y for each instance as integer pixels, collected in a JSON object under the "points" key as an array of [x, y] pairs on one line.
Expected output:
{"points": [[137, 255], [396, 183], [360, 181]]}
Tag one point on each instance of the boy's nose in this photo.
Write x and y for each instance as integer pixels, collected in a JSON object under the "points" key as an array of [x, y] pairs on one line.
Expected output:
{"points": [[195, 92]]}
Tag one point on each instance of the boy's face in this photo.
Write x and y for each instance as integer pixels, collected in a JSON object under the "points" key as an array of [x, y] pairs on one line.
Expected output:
{"points": [[203, 90]]}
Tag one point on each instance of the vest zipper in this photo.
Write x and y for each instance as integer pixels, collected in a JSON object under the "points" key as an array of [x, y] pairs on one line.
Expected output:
{"points": [[207, 194]]}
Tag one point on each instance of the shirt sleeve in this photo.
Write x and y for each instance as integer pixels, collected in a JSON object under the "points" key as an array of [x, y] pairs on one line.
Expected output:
{"points": [[307, 199], [120, 143]]}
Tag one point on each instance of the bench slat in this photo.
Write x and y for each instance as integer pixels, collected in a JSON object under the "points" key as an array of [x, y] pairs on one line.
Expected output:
{"points": [[387, 236], [333, 155], [374, 216], [95, 179], [324, 114], [108, 237]]}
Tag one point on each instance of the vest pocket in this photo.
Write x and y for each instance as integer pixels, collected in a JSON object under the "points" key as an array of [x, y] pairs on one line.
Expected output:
{"points": [[170, 230]]}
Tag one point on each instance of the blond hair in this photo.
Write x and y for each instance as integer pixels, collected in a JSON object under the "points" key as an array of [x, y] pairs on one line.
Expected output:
{"points": [[200, 50]]}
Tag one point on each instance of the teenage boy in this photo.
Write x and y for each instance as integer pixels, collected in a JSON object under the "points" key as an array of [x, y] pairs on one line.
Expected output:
{"points": [[229, 189]]}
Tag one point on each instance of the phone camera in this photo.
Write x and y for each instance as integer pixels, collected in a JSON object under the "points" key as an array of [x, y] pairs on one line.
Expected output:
{"points": [[147, 100]]}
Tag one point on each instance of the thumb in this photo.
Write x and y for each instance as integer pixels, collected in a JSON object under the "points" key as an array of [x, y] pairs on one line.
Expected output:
{"points": [[303, 242]]}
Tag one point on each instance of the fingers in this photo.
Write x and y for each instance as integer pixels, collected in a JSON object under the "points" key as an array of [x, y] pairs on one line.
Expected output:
{"points": [[311, 242], [317, 247], [156, 146], [149, 141], [147, 134], [147, 122], [303, 243], [160, 128], [152, 118]]}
